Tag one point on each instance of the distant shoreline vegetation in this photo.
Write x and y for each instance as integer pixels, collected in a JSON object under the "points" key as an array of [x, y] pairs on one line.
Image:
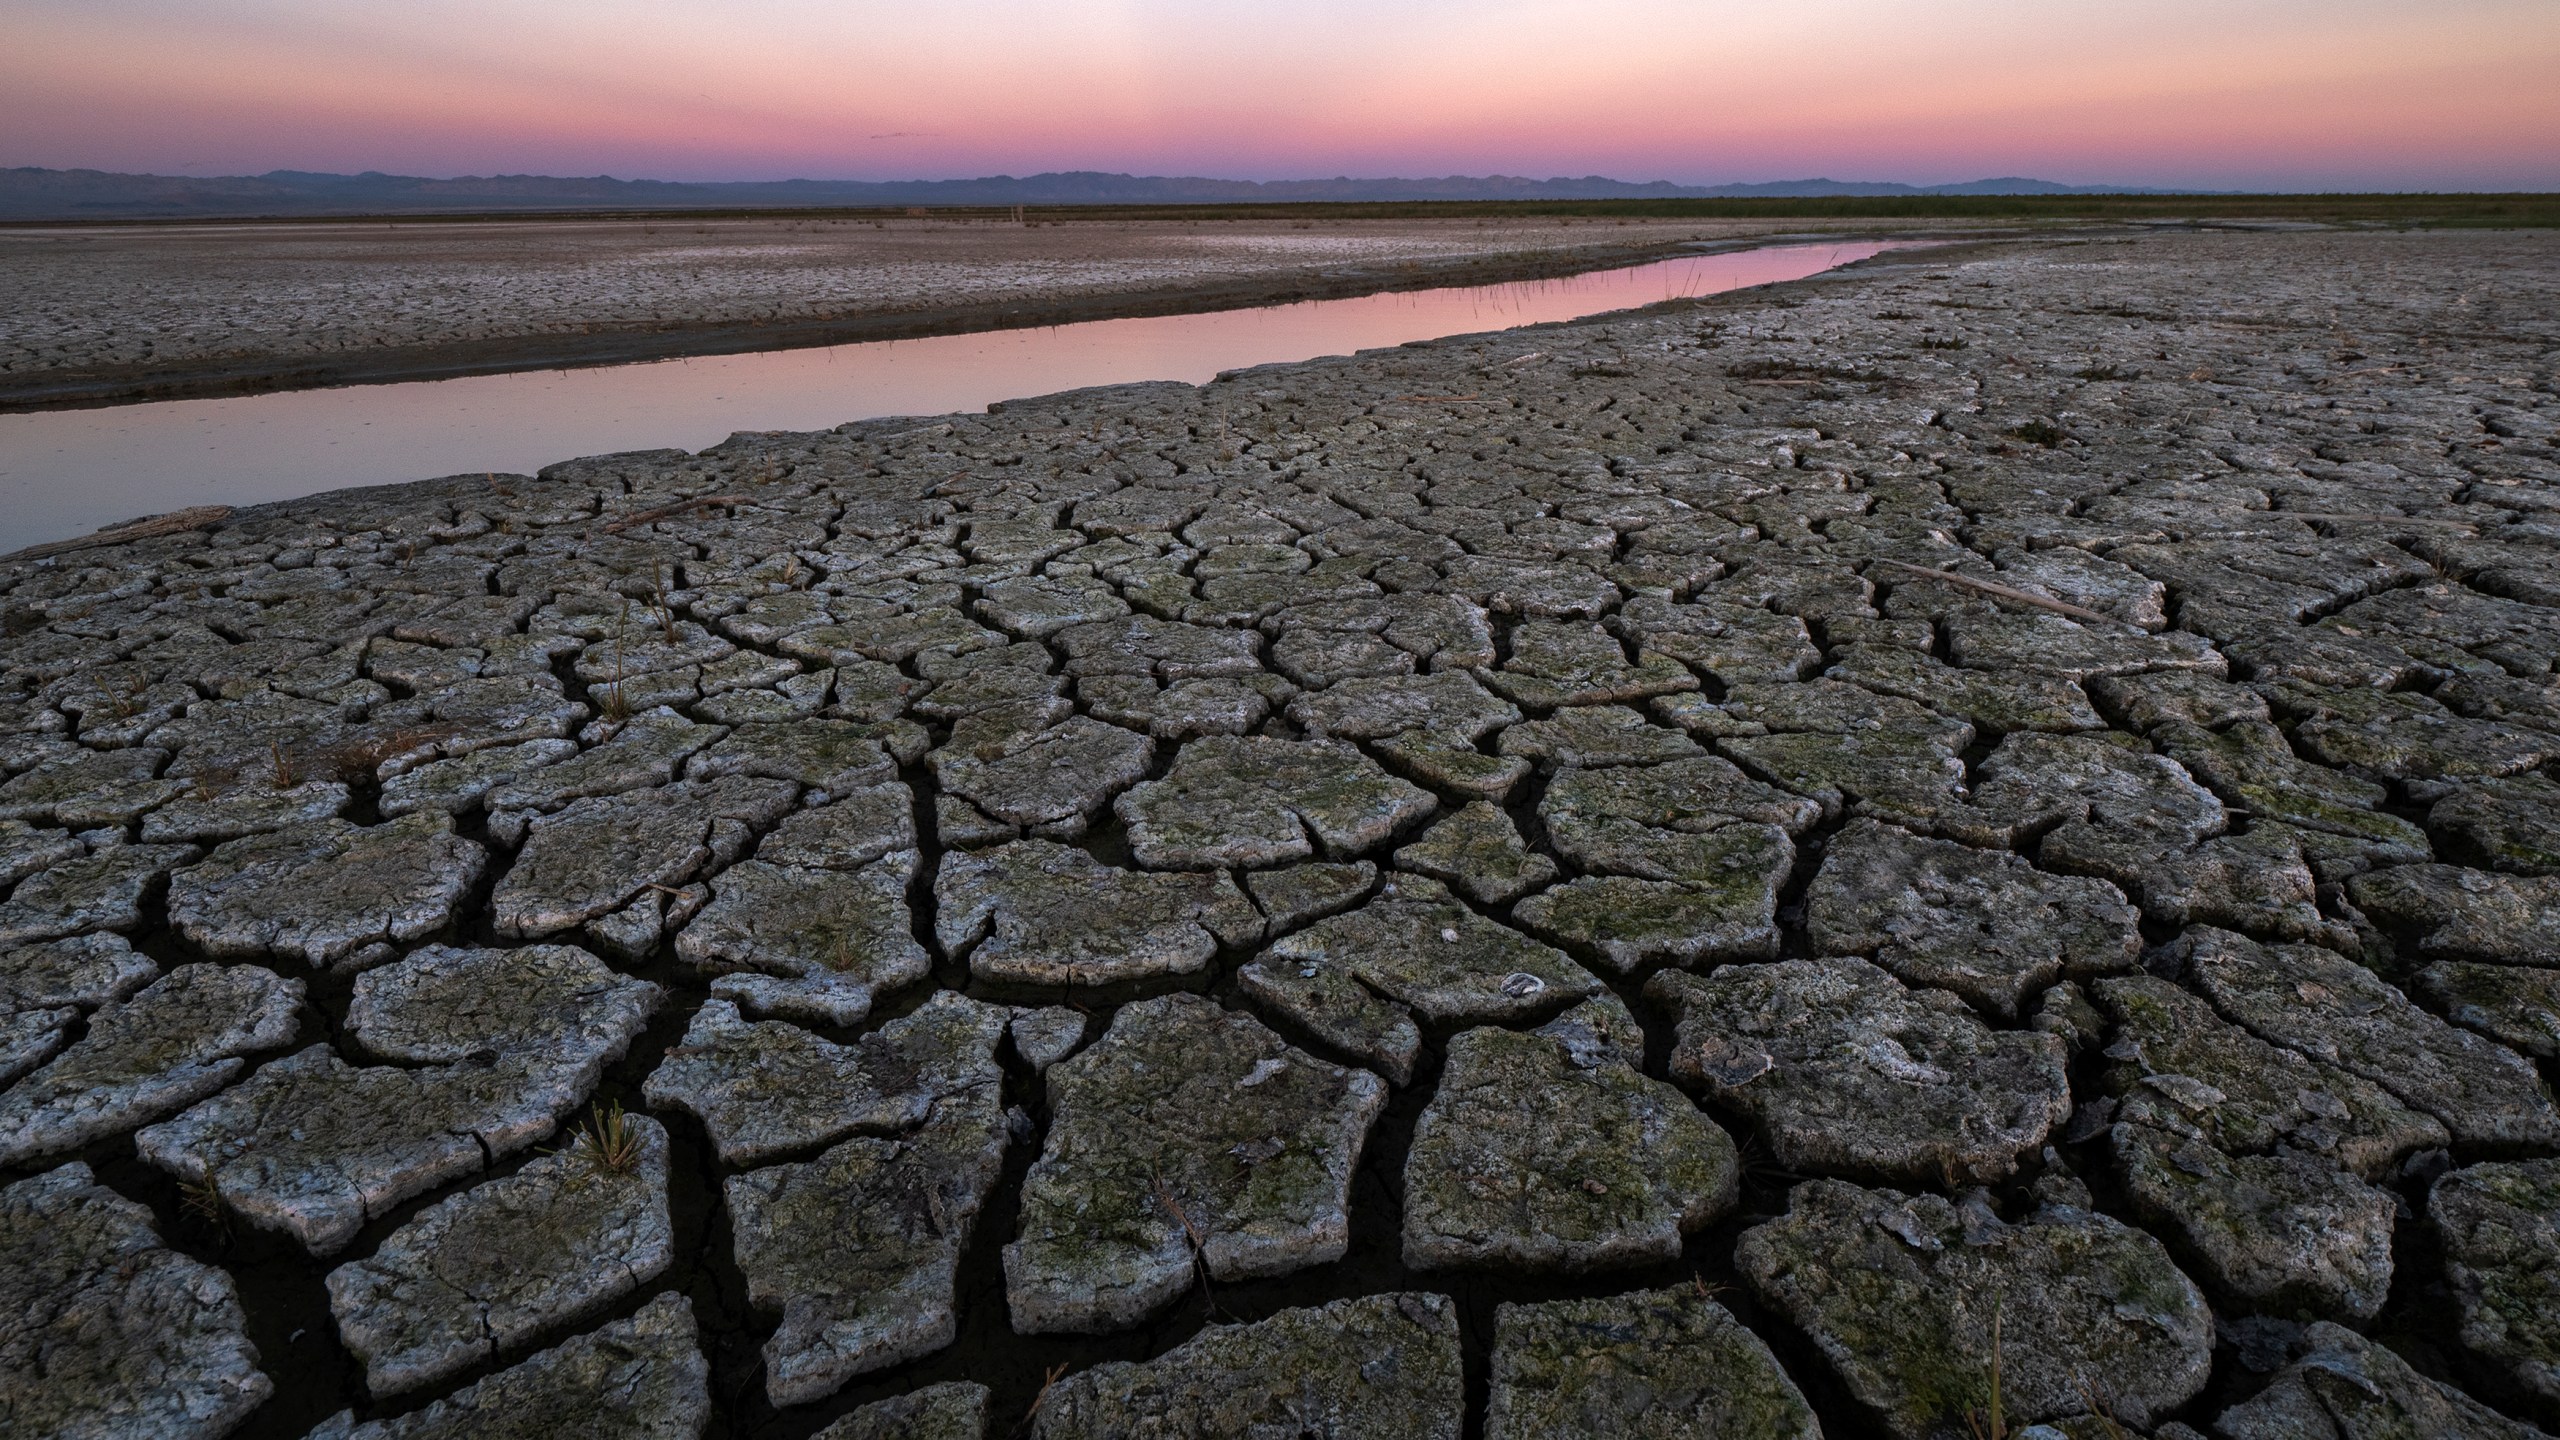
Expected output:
{"points": [[31, 194]]}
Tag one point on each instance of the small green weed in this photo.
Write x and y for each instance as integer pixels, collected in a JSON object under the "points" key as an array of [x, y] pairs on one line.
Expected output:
{"points": [[1990, 1422], [607, 1141]]}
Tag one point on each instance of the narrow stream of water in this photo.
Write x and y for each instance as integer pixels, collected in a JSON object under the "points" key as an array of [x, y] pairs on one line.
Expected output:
{"points": [[65, 472]]}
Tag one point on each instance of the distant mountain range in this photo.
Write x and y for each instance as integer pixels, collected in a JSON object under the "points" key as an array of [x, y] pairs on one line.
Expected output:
{"points": [[30, 193]]}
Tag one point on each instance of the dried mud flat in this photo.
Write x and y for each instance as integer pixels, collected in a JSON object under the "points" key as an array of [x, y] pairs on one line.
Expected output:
{"points": [[156, 312], [1746, 870]]}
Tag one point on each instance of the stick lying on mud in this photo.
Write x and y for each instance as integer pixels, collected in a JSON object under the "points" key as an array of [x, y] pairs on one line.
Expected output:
{"points": [[2023, 597], [2374, 519], [661, 512], [174, 523]]}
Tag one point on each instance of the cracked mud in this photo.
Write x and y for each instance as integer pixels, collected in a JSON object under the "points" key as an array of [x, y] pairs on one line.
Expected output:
{"points": [[1540, 884]]}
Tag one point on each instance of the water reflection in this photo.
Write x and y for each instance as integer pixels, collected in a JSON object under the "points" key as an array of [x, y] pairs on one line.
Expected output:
{"points": [[66, 472]]}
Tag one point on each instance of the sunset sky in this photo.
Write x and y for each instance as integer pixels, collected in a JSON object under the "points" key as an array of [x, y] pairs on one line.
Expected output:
{"points": [[2239, 94]]}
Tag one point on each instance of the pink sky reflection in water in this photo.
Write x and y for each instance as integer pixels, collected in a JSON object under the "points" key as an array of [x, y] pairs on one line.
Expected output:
{"points": [[70, 471]]}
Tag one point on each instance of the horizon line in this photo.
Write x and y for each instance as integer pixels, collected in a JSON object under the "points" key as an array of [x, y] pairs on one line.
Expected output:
{"points": [[639, 178]]}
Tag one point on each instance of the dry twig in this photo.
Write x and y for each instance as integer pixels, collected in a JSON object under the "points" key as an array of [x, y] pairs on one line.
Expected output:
{"points": [[176, 522], [2098, 1407], [1191, 1233], [662, 512], [2374, 519], [1048, 1381], [2023, 597]]}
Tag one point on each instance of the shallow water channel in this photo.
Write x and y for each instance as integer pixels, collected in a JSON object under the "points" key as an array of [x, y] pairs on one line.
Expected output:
{"points": [[65, 472]]}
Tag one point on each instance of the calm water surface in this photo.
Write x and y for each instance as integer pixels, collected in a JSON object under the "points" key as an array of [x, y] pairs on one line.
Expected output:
{"points": [[66, 472]]}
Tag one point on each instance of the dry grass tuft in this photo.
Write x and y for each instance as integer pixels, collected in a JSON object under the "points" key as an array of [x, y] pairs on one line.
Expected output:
{"points": [[200, 1205]]}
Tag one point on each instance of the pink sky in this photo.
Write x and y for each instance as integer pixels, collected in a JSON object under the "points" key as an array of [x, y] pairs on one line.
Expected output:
{"points": [[2282, 94]]}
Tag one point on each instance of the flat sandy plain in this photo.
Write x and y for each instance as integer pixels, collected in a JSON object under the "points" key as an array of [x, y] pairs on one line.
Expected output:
{"points": [[1748, 869], [163, 311]]}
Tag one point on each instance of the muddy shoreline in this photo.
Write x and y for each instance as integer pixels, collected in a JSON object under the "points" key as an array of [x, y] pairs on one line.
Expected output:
{"points": [[609, 344]]}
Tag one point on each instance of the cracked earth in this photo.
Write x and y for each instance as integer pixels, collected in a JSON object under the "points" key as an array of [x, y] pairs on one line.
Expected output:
{"points": [[1758, 868]]}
